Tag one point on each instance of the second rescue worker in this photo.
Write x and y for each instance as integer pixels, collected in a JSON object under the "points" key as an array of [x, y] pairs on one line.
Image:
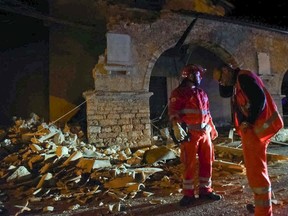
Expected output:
{"points": [[189, 106], [256, 120]]}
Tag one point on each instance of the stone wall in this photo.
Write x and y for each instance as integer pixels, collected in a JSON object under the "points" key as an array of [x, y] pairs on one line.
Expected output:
{"points": [[118, 118]]}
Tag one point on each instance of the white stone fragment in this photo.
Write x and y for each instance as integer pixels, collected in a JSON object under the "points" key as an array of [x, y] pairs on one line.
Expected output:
{"points": [[48, 209], [62, 151], [75, 156], [20, 172]]}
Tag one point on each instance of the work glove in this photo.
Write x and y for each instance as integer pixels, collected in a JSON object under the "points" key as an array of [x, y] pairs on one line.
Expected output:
{"points": [[179, 132]]}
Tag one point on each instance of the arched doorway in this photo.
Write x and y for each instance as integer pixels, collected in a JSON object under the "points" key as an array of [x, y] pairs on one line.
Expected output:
{"points": [[164, 78]]}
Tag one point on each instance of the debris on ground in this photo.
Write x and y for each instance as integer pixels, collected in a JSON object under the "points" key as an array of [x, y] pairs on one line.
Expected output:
{"points": [[46, 169]]}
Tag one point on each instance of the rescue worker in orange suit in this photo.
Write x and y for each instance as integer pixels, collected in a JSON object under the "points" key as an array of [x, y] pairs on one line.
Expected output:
{"points": [[189, 106], [256, 120]]}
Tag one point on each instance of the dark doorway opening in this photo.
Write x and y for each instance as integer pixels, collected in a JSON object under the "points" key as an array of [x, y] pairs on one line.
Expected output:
{"points": [[284, 91], [158, 103]]}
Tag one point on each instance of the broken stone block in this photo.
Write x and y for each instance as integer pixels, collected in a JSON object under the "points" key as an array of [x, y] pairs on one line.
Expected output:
{"points": [[148, 170], [75, 156], [62, 151], [157, 154], [20, 172], [88, 164], [59, 138], [52, 132], [119, 182]]}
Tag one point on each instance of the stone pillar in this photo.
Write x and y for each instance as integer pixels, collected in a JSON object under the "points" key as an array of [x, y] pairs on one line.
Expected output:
{"points": [[118, 118]]}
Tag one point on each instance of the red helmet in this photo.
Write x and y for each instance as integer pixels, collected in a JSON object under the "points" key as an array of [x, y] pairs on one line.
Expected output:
{"points": [[191, 69]]}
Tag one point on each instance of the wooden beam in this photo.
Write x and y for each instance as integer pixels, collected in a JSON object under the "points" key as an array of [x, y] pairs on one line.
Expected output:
{"points": [[279, 143], [239, 152]]}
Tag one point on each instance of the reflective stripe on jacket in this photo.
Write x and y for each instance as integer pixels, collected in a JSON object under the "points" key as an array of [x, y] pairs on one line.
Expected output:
{"points": [[269, 121], [189, 105]]}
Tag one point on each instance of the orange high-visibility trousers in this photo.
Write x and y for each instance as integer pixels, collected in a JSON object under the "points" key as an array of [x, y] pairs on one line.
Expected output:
{"points": [[255, 159], [201, 144]]}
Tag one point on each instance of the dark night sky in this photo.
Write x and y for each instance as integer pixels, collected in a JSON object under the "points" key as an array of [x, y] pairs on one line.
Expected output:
{"points": [[270, 12]]}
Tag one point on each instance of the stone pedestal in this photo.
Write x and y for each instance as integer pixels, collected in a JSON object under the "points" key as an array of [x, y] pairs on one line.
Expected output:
{"points": [[118, 118]]}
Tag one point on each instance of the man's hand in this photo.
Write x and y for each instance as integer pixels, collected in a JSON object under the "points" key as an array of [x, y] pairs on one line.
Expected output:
{"points": [[213, 134], [179, 132], [212, 130], [244, 126]]}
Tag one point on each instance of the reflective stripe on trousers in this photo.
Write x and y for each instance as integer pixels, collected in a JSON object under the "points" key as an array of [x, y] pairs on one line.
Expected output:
{"points": [[205, 182], [262, 197], [263, 203], [188, 184]]}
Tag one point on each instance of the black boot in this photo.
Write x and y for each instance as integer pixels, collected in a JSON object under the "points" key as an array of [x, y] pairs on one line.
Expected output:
{"points": [[186, 200], [210, 196], [250, 207]]}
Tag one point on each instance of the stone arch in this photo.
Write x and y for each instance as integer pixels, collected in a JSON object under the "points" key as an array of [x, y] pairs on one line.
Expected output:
{"points": [[223, 54], [153, 60]]}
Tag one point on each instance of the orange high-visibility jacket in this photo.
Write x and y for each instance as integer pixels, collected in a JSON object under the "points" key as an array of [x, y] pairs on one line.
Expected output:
{"points": [[269, 122], [190, 106]]}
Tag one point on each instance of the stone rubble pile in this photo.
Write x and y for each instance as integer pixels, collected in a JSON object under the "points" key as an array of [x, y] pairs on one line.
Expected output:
{"points": [[42, 165]]}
